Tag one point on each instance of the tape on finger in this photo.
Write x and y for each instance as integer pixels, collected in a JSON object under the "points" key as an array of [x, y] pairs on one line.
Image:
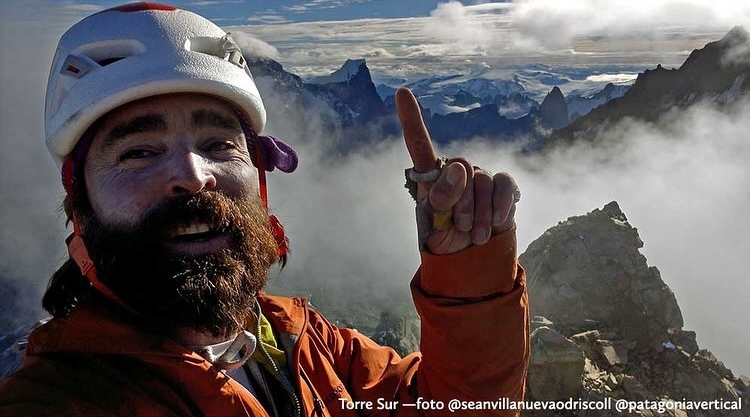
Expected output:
{"points": [[429, 220], [442, 220]]}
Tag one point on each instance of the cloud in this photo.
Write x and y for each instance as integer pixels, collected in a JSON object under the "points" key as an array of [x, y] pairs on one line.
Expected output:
{"points": [[739, 54], [207, 3], [269, 17], [555, 24], [612, 78], [461, 27], [378, 53], [32, 238], [84, 8], [251, 45], [297, 8], [457, 38], [322, 4]]}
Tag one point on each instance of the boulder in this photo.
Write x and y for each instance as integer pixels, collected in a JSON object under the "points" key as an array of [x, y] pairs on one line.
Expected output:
{"points": [[556, 366], [614, 353]]}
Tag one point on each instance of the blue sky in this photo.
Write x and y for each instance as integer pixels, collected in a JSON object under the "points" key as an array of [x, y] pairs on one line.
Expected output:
{"points": [[255, 11], [264, 11]]}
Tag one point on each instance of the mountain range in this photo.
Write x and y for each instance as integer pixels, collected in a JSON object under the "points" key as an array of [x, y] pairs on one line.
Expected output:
{"points": [[718, 73], [352, 110]]}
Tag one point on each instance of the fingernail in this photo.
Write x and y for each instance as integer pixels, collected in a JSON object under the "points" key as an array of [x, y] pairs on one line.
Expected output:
{"points": [[497, 219], [454, 175], [486, 234]]}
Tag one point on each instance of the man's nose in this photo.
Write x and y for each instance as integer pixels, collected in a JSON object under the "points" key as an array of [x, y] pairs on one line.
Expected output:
{"points": [[189, 173]]}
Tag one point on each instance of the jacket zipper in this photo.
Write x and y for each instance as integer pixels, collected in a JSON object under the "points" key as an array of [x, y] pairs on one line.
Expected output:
{"points": [[284, 381]]}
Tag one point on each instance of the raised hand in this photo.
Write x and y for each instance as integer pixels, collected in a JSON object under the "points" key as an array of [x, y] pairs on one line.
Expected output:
{"points": [[467, 205]]}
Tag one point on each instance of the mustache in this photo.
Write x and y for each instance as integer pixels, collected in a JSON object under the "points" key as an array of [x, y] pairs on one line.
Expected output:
{"points": [[161, 222]]}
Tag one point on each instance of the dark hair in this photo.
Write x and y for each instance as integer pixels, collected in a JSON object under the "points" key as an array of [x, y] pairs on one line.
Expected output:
{"points": [[68, 286], [66, 289]]}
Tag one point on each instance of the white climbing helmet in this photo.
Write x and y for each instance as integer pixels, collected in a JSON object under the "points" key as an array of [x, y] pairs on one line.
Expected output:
{"points": [[139, 50]]}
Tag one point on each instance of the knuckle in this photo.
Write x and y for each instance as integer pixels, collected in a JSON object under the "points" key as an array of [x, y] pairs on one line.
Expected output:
{"points": [[482, 180], [467, 165], [460, 160], [505, 180]]}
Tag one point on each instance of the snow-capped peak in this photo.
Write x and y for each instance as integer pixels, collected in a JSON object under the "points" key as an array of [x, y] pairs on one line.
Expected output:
{"points": [[347, 71]]}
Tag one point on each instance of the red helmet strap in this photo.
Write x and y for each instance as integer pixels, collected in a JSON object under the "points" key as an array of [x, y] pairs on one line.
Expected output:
{"points": [[77, 248], [276, 228]]}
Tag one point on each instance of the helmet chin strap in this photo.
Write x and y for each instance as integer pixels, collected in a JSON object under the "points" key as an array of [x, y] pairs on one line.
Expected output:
{"points": [[276, 228], [77, 248]]}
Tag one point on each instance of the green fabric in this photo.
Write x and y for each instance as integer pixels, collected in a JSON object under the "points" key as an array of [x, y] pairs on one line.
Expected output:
{"points": [[268, 340]]}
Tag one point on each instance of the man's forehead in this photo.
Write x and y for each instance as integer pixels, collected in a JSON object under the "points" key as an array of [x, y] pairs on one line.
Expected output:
{"points": [[161, 112], [169, 104]]}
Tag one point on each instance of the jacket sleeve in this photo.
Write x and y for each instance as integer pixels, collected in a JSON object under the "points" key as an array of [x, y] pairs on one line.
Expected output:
{"points": [[475, 324], [474, 346]]}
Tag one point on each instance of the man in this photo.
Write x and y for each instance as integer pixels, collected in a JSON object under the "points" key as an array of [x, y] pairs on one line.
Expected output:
{"points": [[154, 120]]}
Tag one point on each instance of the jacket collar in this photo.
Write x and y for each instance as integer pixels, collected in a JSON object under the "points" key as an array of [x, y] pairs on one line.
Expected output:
{"points": [[287, 315]]}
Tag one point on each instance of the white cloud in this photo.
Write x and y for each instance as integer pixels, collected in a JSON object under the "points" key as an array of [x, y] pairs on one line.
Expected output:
{"points": [[456, 38], [31, 242], [451, 23], [85, 8], [737, 55], [206, 3], [269, 17], [297, 8], [252, 46], [612, 78], [556, 24], [309, 6]]}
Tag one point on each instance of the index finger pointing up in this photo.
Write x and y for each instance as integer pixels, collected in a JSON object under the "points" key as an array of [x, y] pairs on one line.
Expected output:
{"points": [[417, 138]]}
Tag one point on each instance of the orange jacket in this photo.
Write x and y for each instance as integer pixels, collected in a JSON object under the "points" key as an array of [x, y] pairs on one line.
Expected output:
{"points": [[474, 346]]}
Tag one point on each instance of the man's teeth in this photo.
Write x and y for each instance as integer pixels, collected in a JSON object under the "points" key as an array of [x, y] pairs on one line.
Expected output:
{"points": [[192, 229]]}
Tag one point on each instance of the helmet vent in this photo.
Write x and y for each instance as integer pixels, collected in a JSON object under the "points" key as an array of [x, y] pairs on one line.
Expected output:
{"points": [[225, 48], [107, 61]]}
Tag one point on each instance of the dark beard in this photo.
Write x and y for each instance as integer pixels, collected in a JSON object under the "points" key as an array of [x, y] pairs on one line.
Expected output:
{"points": [[214, 293]]}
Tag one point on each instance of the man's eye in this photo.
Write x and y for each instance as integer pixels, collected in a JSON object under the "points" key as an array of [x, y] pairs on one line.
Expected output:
{"points": [[136, 154], [220, 145]]}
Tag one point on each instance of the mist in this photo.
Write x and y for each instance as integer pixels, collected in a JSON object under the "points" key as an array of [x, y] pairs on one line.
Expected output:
{"points": [[351, 224], [32, 236]]}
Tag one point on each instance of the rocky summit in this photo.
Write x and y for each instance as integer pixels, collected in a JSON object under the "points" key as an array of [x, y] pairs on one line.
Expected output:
{"points": [[588, 273], [607, 326]]}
